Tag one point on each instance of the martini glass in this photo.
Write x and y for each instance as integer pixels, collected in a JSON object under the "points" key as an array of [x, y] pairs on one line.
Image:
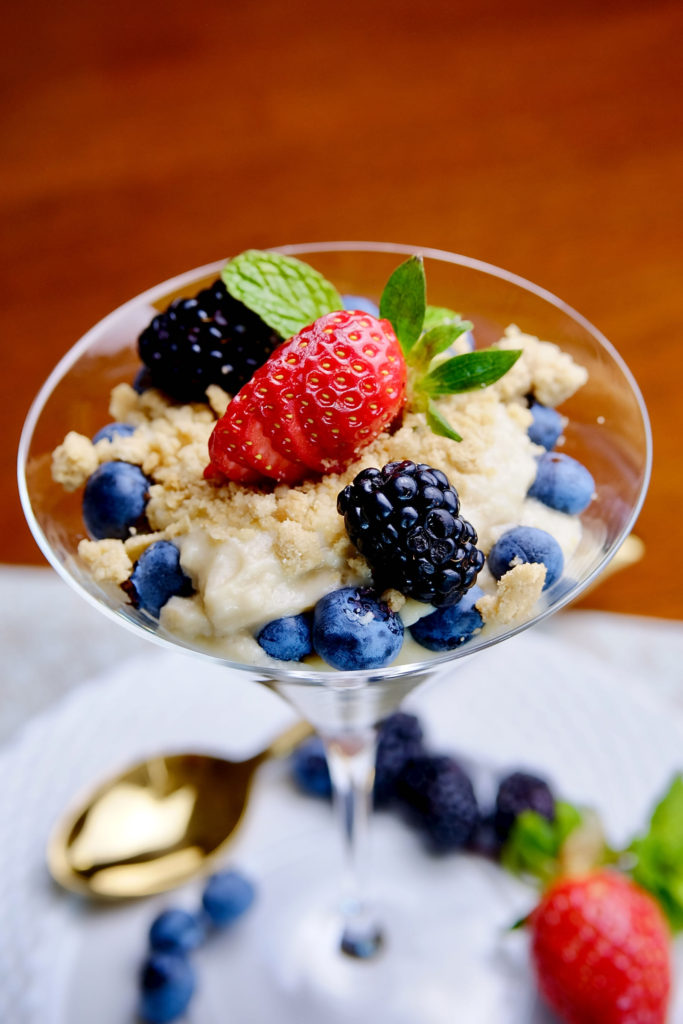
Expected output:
{"points": [[608, 431]]}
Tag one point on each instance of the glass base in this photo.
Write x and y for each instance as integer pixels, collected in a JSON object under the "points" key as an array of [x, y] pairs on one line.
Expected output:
{"points": [[447, 955]]}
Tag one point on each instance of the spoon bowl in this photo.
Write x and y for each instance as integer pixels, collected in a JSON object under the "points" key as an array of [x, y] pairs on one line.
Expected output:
{"points": [[157, 824]]}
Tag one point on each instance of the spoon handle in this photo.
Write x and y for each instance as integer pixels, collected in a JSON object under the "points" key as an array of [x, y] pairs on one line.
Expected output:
{"points": [[285, 743]]}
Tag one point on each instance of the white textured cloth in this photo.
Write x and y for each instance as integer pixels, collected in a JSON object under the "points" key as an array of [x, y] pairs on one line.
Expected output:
{"points": [[593, 701]]}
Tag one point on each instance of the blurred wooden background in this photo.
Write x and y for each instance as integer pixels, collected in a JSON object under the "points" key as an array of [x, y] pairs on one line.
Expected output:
{"points": [[144, 138]]}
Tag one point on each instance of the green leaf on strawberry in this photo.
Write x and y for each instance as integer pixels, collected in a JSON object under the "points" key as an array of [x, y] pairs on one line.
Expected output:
{"points": [[285, 292], [534, 846], [403, 302], [658, 855]]}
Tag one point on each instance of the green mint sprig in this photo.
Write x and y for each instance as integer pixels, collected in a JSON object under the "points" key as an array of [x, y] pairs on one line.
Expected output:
{"points": [[435, 316], [437, 340], [425, 333], [658, 855], [285, 292], [534, 846]]}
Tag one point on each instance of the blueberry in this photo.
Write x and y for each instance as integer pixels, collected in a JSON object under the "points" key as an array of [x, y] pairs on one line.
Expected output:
{"points": [[547, 425], [176, 931], [400, 739], [309, 768], [114, 500], [352, 629], [362, 303], [289, 638], [562, 483], [527, 544], [439, 798], [519, 792], [227, 896], [167, 984], [113, 430], [156, 577], [447, 628]]}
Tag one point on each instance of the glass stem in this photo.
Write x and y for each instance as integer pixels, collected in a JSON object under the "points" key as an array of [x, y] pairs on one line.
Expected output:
{"points": [[351, 760]]}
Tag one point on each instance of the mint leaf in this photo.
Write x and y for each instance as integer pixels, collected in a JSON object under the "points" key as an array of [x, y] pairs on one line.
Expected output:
{"points": [[659, 854], [531, 848], [283, 291], [469, 371], [437, 340], [403, 301], [435, 316], [438, 424], [534, 844]]}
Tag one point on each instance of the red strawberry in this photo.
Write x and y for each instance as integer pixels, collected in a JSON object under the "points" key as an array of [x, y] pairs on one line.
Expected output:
{"points": [[319, 399], [601, 951]]}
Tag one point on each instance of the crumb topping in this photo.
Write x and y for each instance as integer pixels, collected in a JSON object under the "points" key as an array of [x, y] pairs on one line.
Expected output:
{"points": [[307, 551], [515, 597]]}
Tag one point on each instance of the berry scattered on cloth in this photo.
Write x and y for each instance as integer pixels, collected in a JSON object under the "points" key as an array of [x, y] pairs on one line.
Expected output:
{"points": [[600, 948], [176, 931], [519, 792], [167, 984], [439, 796], [168, 979]]}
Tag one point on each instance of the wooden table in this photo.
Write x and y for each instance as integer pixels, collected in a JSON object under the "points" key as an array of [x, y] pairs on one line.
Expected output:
{"points": [[142, 139]]}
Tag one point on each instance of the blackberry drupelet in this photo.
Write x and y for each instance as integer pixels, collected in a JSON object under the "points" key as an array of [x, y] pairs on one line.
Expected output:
{"points": [[518, 792], [404, 520], [209, 339], [439, 799], [400, 738]]}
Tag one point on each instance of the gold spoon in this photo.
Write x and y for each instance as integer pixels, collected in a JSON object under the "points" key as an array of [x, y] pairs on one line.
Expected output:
{"points": [[158, 824]]}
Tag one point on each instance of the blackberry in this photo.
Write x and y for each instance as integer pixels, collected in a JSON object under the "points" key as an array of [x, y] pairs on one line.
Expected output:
{"points": [[209, 339], [400, 739], [521, 792], [485, 840], [439, 798], [404, 520]]}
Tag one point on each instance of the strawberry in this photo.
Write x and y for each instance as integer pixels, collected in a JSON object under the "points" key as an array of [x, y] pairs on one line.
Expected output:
{"points": [[600, 947], [319, 399]]}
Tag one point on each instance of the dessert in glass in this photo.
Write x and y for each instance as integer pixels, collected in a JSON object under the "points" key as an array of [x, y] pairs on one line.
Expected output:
{"points": [[380, 487]]}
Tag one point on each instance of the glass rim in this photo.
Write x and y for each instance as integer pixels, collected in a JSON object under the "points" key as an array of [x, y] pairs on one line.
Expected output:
{"points": [[326, 677]]}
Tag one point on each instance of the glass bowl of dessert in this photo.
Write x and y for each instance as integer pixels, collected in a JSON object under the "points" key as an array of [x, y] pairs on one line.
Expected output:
{"points": [[309, 465]]}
